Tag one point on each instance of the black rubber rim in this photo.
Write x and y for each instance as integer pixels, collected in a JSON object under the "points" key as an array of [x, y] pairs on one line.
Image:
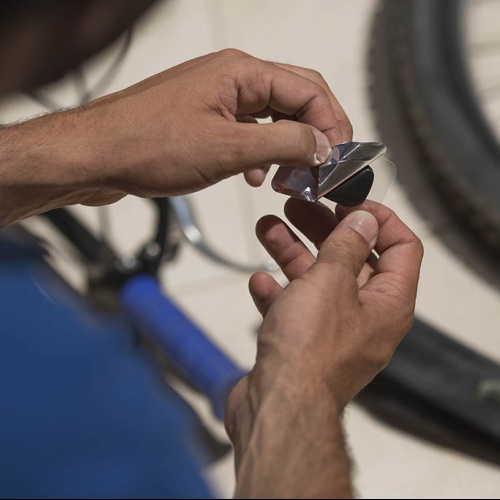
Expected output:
{"points": [[424, 48]]}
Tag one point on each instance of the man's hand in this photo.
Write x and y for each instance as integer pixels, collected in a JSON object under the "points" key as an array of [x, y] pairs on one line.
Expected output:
{"points": [[194, 124], [324, 337], [174, 133]]}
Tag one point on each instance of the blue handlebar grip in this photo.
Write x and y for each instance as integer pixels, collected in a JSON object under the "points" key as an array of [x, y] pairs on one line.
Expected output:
{"points": [[210, 370]]}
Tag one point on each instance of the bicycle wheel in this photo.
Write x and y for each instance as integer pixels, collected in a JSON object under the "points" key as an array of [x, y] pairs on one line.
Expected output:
{"points": [[426, 54]]}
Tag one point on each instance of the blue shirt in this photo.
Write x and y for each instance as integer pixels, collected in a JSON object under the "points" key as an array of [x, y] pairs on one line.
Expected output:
{"points": [[83, 411]]}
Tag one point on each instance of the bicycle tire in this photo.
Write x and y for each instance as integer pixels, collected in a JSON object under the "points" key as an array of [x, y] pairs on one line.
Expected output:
{"points": [[424, 51]]}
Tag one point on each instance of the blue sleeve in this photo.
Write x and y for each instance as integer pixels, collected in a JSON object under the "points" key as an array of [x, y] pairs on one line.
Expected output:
{"points": [[83, 413]]}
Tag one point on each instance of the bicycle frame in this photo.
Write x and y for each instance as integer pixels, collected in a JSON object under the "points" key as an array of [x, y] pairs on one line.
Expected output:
{"points": [[140, 297]]}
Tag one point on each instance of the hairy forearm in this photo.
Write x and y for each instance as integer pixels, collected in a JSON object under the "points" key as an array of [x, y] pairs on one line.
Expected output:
{"points": [[294, 448], [45, 163]]}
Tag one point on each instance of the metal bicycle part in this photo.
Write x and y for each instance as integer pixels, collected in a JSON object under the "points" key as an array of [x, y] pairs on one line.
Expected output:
{"points": [[186, 220]]}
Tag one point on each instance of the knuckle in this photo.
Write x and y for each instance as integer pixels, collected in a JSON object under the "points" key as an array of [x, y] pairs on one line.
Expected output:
{"points": [[338, 272], [232, 54], [315, 76], [345, 253]]}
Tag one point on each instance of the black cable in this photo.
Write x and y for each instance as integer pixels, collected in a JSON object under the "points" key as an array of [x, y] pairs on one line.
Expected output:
{"points": [[89, 247]]}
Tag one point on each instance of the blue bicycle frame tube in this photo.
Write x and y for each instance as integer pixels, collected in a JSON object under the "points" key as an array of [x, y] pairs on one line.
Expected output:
{"points": [[209, 369]]}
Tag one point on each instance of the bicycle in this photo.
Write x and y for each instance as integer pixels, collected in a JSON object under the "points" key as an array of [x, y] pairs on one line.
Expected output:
{"points": [[380, 382]]}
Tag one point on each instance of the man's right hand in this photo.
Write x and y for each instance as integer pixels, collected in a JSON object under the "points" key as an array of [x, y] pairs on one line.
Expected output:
{"points": [[324, 337]]}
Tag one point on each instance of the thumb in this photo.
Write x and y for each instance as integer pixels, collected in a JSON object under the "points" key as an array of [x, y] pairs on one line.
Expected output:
{"points": [[351, 242], [284, 142]]}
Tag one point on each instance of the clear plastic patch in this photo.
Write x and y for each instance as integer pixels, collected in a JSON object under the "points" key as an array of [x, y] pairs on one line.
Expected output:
{"points": [[385, 174], [355, 171]]}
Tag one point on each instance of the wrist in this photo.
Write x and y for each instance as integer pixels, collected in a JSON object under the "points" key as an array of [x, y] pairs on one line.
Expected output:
{"points": [[300, 426], [297, 383], [262, 398]]}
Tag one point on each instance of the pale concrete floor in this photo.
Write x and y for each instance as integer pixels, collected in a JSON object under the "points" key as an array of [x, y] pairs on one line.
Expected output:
{"points": [[330, 36]]}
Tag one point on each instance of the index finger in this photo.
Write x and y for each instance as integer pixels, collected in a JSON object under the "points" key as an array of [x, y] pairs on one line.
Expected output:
{"points": [[306, 100], [345, 126], [264, 84]]}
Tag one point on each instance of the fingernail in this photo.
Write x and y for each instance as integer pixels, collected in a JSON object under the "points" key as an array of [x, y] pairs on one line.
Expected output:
{"points": [[323, 147], [363, 223]]}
